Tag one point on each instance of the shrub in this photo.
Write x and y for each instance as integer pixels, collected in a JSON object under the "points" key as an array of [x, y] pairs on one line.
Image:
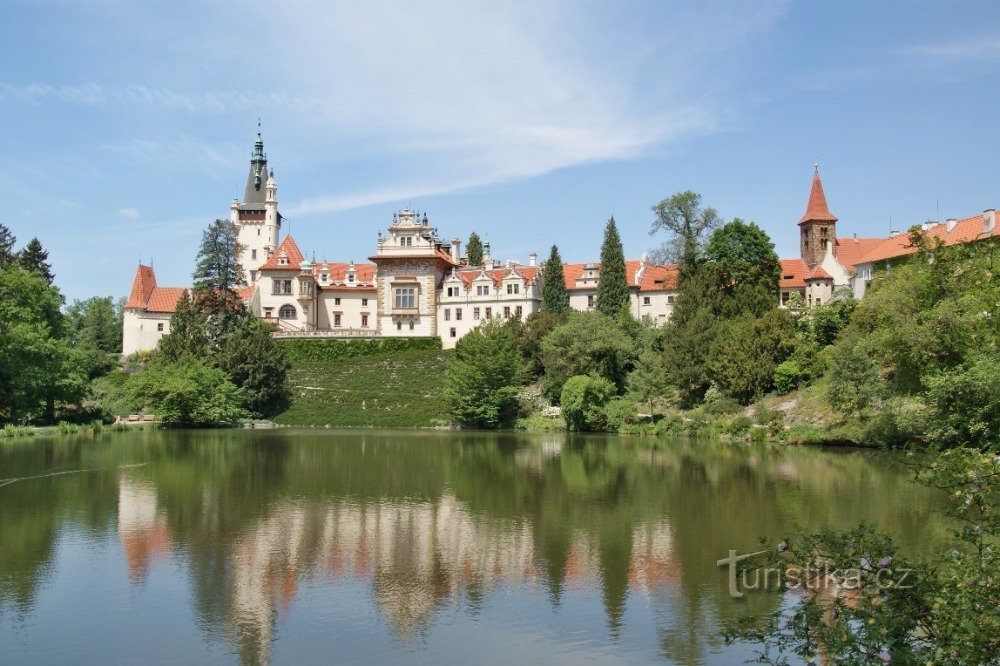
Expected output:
{"points": [[965, 403], [620, 412], [11, 430], [583, 401], [770, 419], [187, 392], [787, 376], [718, 404], [300, 351], [738, 425], [484, 376]]}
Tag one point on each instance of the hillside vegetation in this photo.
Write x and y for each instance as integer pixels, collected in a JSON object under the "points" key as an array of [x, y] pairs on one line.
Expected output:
{"points": [[367, 384]]}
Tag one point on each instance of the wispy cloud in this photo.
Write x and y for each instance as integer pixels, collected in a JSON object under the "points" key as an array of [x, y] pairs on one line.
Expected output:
{"points": [[175, 149], [130, 213], [968, 49]]}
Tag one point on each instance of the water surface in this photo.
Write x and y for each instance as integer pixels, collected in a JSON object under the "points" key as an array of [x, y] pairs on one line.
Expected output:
{"points": [[316, 546]]}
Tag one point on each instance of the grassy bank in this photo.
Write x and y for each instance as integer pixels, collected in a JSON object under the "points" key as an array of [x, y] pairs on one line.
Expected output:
{"points": [[361, 384]]}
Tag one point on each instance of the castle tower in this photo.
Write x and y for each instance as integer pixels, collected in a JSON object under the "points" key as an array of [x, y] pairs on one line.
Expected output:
{"points": [[257, 217], [818, 226]]}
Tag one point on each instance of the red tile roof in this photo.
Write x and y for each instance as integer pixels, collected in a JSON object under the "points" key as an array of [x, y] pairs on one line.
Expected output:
{"points": [[527, 273], [653, 278], [142, 287], [850, 251], [338, 272], [438, 254], [290, 250], [816, 209], [793, 274], [817, 273], [659, 278], [164, 299], [966, 230]]}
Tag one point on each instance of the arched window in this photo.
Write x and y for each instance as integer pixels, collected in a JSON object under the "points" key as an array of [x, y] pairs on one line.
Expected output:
{"points": [[286, 312]]}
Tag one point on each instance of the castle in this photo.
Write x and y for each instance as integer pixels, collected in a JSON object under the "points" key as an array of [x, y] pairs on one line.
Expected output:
{"points": [[420, 285]]}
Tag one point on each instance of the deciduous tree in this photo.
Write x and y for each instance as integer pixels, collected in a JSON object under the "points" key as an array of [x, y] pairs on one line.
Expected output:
{"points": [[484, 376], [687, 225]]}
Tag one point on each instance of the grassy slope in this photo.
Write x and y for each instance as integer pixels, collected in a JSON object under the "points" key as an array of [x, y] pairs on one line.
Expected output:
{"points": [[399, 389]]}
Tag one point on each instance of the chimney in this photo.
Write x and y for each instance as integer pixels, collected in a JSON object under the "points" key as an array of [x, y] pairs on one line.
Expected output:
{"points": [[950, 224], [456, 245], [989, 220], [532, 259]]}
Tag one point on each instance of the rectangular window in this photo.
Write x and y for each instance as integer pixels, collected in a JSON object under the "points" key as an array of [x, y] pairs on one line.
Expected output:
{"points": [[411, 324], [475, 313], [364, 302], [510, 289], [506, 312], [458, 314], [253, 254], [447, 314], [336, 301], [518, 311], [281, 287], [483, 290], [489, 312], [305, 287], [819, 301], [336, 319], [406, 241], [350, 278], [590, 301], [159, 326], [645, 300], [364, 321], [406, 298], [399, 325], [670, 300], [452, 332]]}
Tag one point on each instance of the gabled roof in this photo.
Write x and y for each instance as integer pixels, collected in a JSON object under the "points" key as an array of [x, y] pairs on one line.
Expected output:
{"points": [[966, 230], [142, 287], [497, 275], [817, 273], [337, 272], [659, 278], [850, 251], [286, 248], [816, 209], [654, 278], [164, 299], [793, 274]]}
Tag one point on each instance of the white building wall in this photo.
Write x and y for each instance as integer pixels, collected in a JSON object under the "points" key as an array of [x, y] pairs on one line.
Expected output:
{"points": [[141, 330], [271, 303], [354, 302]]}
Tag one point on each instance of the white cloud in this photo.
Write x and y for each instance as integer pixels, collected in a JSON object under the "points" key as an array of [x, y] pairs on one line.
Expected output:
{"points": [[966, 49], [130, 213]]}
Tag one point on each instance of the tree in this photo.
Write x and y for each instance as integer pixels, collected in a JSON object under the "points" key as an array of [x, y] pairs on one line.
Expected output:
{"points": [[746, 351], [690, 332], [474, 250], [217, 268], [612, 286], [686, 224], [649, 380], [38, 368], [555, 298], [743, 255], [188, 334], [7, 241], [186, 392], [33, 257], [583, 400], [588, 343], [484, 376], [258, 365], [95, 330]]}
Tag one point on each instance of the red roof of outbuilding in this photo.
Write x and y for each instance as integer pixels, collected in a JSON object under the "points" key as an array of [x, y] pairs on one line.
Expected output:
{"points": [[966, 230], [816, 209], [142, 287], [164, 299], [793, 274], [817, 273], [850, 251], [654, 277]]}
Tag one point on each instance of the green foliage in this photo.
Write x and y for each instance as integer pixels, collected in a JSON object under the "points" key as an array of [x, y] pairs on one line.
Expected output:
{"points": [[484, 375], [612, 285], [894, 609], [7, 241], [535, 328], [217, 269], [583, 400], [825, 322], [474, 249], [258, 365], [39, 370], [95, 331], [588, 343], [743, 255], [111, 393], [306, 351], [965, 404], [691, 332], [187, 392], [618, 413], [649, 380], [787, 376], [12, 431], [555, 298], [687, 225], [35, 259], [355, 385], [745, 352]]}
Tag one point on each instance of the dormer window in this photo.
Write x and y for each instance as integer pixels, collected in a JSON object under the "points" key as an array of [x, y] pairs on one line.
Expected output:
{"points": [[324, 277], [350, 278], [282, 261], [513, 288], [406, 241]]}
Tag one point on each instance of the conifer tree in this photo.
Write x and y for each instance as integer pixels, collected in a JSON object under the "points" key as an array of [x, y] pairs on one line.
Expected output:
{"points": [[7, 241], [218, 263], [33, 257], [555, 298], [474, 249], [612, 286]]}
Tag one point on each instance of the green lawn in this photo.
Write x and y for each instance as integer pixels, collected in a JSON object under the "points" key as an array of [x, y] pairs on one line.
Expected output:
{"points": [[393, 389]]}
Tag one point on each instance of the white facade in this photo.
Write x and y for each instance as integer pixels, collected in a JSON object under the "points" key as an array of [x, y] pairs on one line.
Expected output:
{"points": [[141, 330]]}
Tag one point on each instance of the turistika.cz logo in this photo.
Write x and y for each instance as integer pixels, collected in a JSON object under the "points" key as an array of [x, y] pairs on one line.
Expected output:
{"points": [[816, 576]]}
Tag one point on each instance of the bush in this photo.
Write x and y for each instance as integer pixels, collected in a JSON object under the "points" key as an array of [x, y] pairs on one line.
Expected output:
{"points": [[787, 376], [301, 351], [738, 426], [187, 392], [718, 404], [620, 412], [771, 420], [485, 375], [583, 401], [964, 404], [11, 430]]}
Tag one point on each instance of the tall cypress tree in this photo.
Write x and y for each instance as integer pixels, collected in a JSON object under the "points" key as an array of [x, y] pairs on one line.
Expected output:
{"points": [[35, 258], [555, 298], [612, 286], [474, 249], [7, 241]]}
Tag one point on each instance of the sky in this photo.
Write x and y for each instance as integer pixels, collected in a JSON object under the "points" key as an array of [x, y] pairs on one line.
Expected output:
{"points": [[125, 128]]}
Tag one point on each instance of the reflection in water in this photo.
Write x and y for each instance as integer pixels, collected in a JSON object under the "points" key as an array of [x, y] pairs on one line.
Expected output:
{"points": [[433, 526]]}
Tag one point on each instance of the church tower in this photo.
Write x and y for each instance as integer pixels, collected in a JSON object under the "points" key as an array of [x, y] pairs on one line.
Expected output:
{"points": [[257, 218], [818, 227]]}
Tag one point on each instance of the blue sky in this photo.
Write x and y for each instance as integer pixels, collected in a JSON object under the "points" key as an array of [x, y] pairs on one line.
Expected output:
{"points": [[126, 128]]}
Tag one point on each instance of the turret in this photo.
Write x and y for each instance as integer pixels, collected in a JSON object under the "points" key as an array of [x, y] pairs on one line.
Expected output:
{"points": [[818, 226]]}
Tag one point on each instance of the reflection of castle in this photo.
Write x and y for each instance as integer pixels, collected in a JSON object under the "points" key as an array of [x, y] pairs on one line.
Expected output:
{"points": [[419, 557]]}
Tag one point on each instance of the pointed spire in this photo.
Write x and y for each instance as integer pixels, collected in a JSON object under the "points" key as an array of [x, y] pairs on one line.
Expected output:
{"points": [[817, 209]]}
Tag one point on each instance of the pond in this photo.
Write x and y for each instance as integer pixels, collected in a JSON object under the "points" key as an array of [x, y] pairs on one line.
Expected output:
{"points": [[318, 546]]}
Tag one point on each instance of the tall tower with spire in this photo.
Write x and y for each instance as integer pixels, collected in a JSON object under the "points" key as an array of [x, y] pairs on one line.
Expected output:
{"points": [[257, 218], [818, 227]]}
